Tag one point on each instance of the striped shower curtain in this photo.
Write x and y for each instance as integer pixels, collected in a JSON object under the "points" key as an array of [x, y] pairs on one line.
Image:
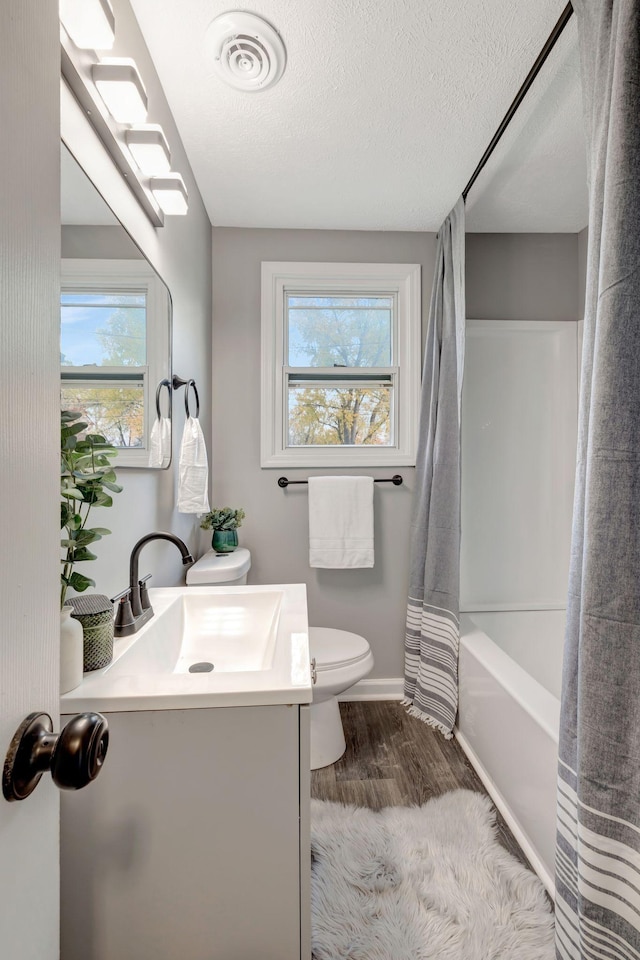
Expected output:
{"points": [[432, 628], [598, 849]]}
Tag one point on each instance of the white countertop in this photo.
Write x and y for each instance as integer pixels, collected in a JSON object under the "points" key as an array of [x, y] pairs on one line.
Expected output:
{"points": [[145, 673]]}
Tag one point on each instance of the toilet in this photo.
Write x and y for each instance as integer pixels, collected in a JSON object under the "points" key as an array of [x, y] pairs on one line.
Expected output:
{"points": [[339, 658], [220, 569]]}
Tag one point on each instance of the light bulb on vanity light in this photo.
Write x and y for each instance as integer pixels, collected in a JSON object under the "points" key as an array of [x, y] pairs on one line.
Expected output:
{"points": [[149, 148], [90, 23], [171, 194], [120, 85]]}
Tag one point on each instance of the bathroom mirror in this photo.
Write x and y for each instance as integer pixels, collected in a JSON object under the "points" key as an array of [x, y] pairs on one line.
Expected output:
{"points": [[536, 179], [115, 325]]}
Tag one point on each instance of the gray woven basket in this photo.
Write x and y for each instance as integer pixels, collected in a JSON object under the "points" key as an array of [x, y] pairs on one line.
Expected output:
{"points": [[95, 613]]}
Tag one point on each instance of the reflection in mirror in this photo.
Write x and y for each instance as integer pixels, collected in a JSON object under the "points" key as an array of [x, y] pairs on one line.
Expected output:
{"points": [[115, 319], [536, 179]]}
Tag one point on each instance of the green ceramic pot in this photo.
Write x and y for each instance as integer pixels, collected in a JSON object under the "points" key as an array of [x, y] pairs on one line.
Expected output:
{"points": [[224, 541]]}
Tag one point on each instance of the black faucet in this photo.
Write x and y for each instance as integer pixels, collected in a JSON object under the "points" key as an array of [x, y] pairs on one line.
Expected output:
{"points": [[134, 609]]}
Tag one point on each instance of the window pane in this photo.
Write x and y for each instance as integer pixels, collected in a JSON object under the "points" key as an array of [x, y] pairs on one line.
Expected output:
{"points": [[103, 329], [346, 416], [117, 412], [328, 331]]}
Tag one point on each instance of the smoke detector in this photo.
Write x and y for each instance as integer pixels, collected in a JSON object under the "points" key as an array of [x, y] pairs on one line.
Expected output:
{"points": [[248, 53]]}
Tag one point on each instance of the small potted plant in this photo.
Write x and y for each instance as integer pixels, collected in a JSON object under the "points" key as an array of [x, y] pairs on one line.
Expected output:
{"points": [[224, 521]]}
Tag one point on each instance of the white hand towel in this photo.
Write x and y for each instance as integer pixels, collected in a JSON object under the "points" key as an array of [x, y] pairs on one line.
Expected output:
{"points": [[340, 522], [160, 443], [193, 470]]}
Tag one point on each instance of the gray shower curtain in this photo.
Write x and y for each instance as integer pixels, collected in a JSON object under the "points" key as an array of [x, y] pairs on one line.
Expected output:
{"points": [[432, 627], [598, 850]]}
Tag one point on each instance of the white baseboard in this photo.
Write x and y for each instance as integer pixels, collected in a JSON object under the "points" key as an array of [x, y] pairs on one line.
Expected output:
{"points": [[386, 688], [523, 841]]}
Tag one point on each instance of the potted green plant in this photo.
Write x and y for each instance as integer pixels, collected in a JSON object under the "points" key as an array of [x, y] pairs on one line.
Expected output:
{"points": [[224, 521], [87, 479]]}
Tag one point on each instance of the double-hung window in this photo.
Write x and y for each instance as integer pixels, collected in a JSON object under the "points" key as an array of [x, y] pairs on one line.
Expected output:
{"points": [[340, 364], [113, 338]]}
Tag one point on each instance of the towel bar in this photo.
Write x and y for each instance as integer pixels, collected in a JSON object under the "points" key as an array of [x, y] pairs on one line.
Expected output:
{"points": [[396, 480]]}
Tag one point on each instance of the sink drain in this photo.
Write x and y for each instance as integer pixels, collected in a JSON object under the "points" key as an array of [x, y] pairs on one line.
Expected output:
{"points": [[202, 667]]}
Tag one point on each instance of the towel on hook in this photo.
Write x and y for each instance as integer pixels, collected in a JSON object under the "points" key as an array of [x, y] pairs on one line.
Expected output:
{"points": [[341, 522], [193, 470], [160, 443]]}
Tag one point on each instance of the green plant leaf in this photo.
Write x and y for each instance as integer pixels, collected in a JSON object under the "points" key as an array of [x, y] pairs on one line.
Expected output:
{"points": [[84, 537], [72, 493], [68, 416], [79, 582], [83, 554], [74, 429], [114, 487]]}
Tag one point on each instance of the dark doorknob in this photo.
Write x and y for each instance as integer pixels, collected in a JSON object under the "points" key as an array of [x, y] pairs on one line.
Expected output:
{"points": [[74, 756]]}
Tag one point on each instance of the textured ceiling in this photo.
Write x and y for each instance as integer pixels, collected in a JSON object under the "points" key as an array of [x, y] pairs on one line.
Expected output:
{"points": [[378, 122]]}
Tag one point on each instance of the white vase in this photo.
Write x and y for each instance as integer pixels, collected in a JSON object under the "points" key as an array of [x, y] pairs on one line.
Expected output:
{"points": [[71, 650]]}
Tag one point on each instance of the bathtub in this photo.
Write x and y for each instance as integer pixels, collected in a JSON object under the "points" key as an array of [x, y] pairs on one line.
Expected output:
{"points": [[510, 673]]}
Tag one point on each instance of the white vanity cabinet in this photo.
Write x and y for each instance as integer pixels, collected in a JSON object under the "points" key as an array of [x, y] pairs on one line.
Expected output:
{"points": [[193, 843]]}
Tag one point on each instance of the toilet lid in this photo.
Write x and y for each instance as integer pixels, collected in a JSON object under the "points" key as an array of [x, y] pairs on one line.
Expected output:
{"points": [[215, 568], [336, 648]]}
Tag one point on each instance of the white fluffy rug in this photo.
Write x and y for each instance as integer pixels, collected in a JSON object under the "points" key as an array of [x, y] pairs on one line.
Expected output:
{"points": [[420, 883]]}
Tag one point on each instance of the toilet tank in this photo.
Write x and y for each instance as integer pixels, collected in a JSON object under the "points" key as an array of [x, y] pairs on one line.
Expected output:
{"points": [[224, 569]]}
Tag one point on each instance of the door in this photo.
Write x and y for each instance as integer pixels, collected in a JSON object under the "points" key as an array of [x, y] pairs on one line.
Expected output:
{"points": [[29, 551]]}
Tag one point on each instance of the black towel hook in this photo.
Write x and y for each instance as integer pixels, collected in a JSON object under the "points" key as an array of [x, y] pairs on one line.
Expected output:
{"points": [[191, 384], [167, 384], [178, 382]]}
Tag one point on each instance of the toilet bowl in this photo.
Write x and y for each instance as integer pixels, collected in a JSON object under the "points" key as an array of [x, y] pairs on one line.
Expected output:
{"points": [[341, 658]]}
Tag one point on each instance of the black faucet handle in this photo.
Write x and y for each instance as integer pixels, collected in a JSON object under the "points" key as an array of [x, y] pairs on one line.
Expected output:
{"points": [[120, 596], [124, 615], [145, 603]]}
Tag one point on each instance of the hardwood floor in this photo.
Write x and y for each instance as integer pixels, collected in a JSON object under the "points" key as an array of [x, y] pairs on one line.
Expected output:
{"points": [[393, 759]]}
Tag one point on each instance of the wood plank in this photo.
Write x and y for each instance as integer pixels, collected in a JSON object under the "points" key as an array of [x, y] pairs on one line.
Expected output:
{"points": [[393, 759]]}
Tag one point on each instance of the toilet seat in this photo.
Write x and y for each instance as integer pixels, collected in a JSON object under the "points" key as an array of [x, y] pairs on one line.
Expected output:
{"points": [[333, 649]]}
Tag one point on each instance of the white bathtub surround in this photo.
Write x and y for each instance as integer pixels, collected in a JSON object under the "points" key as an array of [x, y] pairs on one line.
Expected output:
{"points": [[432, 629], [598, 856], [341, 522], [414, 883], [508, 724]]}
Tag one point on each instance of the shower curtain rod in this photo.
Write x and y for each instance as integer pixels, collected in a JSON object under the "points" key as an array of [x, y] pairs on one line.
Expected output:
{"points": [[521, 94]]}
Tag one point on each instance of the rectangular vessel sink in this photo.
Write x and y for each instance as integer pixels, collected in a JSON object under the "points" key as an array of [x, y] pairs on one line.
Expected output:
{"points": [[228, 632], [207, 646]]}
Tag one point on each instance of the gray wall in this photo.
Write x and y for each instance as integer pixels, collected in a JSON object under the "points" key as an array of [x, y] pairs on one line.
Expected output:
{"points": [[100, 243], [522, 276], [370, 602], [583, 241], [181, 253]]}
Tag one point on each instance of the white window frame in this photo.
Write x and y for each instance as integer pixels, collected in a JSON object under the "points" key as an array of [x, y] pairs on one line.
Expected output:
{"points": [[400, 280], [93, 275]]}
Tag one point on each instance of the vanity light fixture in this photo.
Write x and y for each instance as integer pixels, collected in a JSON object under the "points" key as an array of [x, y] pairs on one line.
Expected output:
{"points": [[149, 148], [121, 88], [170, 193], [90, 23]]}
